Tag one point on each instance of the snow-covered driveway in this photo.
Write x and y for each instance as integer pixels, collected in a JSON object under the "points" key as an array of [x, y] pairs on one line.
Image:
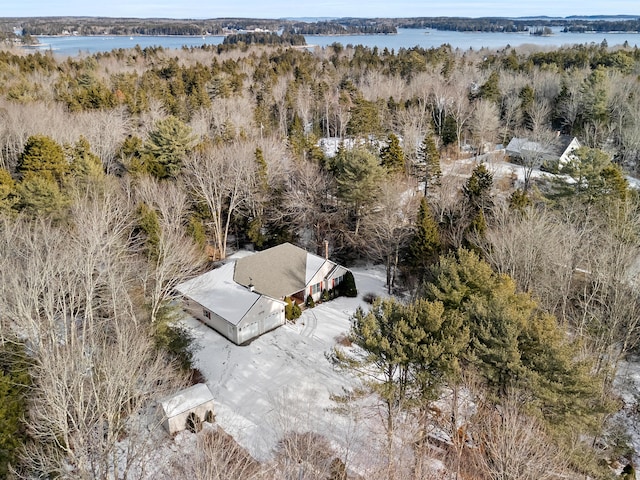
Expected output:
{"points": [[282, 381]]}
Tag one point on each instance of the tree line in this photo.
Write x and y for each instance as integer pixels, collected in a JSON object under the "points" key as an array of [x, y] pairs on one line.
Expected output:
{"points": [[344, 26]]}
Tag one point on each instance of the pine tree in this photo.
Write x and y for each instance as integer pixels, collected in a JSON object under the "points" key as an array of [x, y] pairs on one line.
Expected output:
{"points": [[392, 155], [477, 190], [149, 225], [430, 163], [425, 244], [514, 345], [40, 196], [14, 384], [365, 118], [519, 200], [595, 178], [7, 191], [490, 90], [358, 175], [84, 163], [167, 146], [43, 157]]}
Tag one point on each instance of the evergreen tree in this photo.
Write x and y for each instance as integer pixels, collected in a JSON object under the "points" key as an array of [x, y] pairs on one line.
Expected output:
{"points": [[490, 90], [7, 191], [425, 244], [594, 177], [430, 162], [348, 285], [527, 97], [392, 155], [384, 334], [167, 146], [149, 225], [365, 119], [43, 157], [14, 384], [410, 351], [260, 196], [450, 130], [40, 196], [358, 175], [477, 190], [519, 200], [513, 344], [83, 162]]}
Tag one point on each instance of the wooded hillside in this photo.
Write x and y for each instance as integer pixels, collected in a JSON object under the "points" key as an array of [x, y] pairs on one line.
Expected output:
{"points": [[124, 173]]}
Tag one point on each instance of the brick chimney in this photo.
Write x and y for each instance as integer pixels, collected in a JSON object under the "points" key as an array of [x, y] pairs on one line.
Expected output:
{"points": [[326, 250]]}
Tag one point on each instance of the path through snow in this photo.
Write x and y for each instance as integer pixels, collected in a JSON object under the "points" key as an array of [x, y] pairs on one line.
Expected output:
{"points": [[282, 380]]}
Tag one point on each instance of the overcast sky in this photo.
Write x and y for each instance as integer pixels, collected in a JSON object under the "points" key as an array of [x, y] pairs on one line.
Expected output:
{"points": [[314, 8]]}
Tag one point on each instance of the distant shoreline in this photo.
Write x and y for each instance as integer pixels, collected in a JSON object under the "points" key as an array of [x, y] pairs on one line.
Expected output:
{"points": [[133, 35]]}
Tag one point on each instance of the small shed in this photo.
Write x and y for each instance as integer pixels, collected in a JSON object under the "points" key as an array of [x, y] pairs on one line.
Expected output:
{"points": [[187, 408]]}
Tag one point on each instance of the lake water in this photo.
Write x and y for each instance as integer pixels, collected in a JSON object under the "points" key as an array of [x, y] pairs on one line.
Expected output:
{"points": [[406, 38]]}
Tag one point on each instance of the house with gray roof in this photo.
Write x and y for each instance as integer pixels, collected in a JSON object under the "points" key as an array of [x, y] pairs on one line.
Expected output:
{"points": [[245, 297], [558, 149]]}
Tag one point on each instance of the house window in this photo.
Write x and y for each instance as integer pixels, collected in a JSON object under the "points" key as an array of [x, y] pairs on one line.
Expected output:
{"points": [[207, 313], [317, 288]]}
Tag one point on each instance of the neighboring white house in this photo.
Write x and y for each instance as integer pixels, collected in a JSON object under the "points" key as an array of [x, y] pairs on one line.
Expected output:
{"points": [[196, 401], [560, 149], [245, 297]]}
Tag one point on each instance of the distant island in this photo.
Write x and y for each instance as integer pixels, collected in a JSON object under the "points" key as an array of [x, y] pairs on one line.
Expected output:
{"points": [[23, 30]]}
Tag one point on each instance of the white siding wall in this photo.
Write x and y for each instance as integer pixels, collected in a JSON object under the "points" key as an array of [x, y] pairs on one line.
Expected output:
{"points": [[266, 314], [216, 322], [566, 156], [324, 270], [179, 422]]}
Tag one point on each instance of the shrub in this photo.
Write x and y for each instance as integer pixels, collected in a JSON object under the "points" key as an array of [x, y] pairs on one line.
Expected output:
{"points": [[310, 302], [348, 286], [209, 417], [175, 340], [291, 310], [370, 297], [325, 295]]}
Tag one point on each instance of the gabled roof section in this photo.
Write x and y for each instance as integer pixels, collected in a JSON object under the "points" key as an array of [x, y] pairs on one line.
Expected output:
{"points": [[276, 272], [314, 263], [563, 143], [279, 271], [217, 292], [186, 400], [522, 146]]}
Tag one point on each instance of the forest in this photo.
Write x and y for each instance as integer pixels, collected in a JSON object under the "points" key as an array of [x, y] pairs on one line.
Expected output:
{"points": [[124, 173]]}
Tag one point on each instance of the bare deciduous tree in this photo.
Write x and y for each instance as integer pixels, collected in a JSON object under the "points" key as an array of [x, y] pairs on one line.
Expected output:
{"points": [[219, 177], [216, 456], [484, 123], [309, 205], [387, 228], [176, 256], [513, 446], [98, 368]]}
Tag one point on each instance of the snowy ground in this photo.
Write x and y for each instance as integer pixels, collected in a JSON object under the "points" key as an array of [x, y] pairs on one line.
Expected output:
{"points": [[627, 383], [283, 381]]}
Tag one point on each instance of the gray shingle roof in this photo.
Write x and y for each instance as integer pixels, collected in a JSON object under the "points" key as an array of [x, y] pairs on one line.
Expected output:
{"points": [[277, 272]]}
